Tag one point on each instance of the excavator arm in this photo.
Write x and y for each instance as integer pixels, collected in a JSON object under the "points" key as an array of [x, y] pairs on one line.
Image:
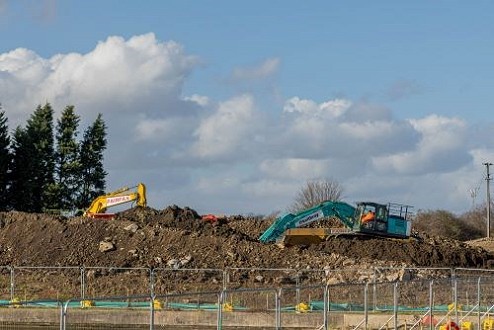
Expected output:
{"points": [[121, 196], [341, 210]]}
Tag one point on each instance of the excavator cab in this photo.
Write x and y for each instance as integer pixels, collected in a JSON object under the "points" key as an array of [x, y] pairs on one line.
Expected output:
{"points": [[380, 219]]}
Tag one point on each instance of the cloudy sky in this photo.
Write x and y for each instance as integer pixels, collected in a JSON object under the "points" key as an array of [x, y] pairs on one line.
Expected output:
{"points": [[230, 107]]}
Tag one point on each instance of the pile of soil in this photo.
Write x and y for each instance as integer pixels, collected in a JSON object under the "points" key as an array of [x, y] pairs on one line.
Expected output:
{"points": [[177, 238]]}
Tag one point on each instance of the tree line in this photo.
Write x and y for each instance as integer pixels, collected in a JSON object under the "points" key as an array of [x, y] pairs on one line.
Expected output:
{"points": [[47, 167]]}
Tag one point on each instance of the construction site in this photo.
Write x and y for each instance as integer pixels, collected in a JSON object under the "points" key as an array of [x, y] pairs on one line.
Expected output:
{"points": [[147, 267]]}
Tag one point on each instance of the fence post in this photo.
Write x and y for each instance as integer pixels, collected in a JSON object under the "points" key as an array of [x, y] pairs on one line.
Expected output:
{"points": [[366, 305], [395, 307], [62, 326], [326, 307], [221, 298], [478, 301], [297, 288], [278, 308], [455, 288], [431, 302], [151, 281], [83, 283], [374, 289], [63, 321], [226, 280], [12, 283], [151, 316]]}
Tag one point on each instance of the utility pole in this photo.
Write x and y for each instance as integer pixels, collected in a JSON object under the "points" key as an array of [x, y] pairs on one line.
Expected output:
{"points": [[488, 179]]}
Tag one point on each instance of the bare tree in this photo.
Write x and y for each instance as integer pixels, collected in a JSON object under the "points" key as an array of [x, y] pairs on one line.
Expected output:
{"points": [[315, 192], [446, 224]]}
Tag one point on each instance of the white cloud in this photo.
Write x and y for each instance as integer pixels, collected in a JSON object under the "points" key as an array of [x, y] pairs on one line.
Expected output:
{"points": [[163, 129], [201, 100], [441, 148], [135, 75], [294, 169], [329, 109], [229, 154], [227, 131], [326, 130]]}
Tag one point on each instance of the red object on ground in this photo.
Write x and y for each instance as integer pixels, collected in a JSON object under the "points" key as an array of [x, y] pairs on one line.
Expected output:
{"points": [[426, 320], [104, 216], [210, 218]]}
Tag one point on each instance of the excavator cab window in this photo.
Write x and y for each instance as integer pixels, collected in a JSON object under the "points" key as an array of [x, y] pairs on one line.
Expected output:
{"points": [[373, 216], [381, 214], [368, 215]]}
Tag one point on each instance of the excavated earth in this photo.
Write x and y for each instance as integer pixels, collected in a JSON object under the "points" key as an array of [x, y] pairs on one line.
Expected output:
{"points": [[177, 238]]}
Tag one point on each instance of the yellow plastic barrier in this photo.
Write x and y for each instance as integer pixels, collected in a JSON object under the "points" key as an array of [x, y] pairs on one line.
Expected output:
{"points": [[302, 307], [157, 304], [15, 302], [488, 324], [452, 307], [466, 325], [227, 307], [87, 303]]}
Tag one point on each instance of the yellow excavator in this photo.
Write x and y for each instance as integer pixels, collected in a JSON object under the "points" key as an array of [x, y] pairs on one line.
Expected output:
{"points": [[98, 207]]}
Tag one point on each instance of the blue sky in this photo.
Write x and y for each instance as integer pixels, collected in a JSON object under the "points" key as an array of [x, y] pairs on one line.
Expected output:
{"points": [[248, 100]]}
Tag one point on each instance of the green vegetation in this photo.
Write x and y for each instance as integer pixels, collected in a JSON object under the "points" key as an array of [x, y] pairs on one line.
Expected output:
{"points": [[5, 158], [42, 169]]}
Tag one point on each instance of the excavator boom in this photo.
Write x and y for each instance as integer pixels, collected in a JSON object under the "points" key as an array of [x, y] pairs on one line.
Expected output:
{"points": [[121, 196], [343, 211]]}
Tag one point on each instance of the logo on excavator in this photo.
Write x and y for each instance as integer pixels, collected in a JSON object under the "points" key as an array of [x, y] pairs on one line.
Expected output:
{"points": [[117, 200], [309, 218]]}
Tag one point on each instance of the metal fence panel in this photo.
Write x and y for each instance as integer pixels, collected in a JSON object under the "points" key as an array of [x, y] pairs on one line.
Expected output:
{"points": [[260, 277], [131, 312], [113, 281], [167, 280], [23, 314], [256, 307], [5, 284], [303, 305], [37, 283]]}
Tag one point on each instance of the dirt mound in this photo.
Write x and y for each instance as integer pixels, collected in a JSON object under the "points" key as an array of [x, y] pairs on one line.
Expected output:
{"points": [[485, 243], [177, 238], [422, 251]]}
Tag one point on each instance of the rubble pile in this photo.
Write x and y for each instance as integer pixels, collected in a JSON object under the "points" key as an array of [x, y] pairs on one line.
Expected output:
{"points": [[178, 238]]}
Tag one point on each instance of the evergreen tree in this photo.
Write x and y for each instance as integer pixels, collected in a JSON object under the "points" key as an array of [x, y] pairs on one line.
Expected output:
{"points": [[93, 145], [33, 164], [63, 192], [21, 178], [5, 158]]}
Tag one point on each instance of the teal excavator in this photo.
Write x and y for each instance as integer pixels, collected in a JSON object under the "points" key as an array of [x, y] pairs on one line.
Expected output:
{"points": [[368, 218]]}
